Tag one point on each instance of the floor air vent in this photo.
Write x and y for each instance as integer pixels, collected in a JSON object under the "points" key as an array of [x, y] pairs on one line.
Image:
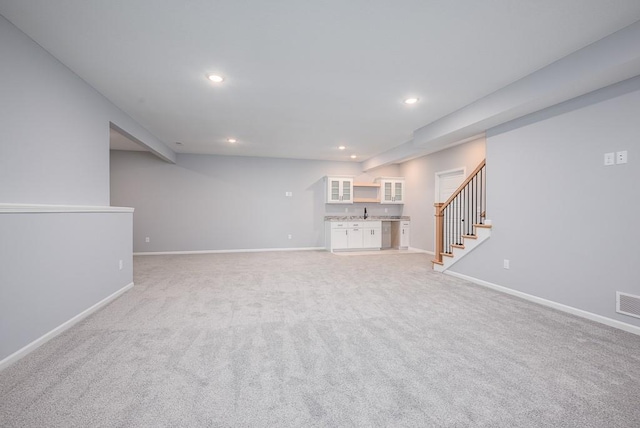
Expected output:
{"points": [[628, 304]]}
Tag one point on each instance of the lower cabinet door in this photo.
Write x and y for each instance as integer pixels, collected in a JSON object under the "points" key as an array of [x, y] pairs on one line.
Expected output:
{"points": [[404, 235], [372, 238], [355, 237], [339, 239]]}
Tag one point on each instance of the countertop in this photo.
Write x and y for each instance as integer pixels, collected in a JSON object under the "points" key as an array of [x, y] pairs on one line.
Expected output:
{"points": [[369, 218]]}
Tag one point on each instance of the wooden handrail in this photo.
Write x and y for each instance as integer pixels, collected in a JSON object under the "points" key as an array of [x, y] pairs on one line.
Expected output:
{"points": [[463, 185], [440, 208]]}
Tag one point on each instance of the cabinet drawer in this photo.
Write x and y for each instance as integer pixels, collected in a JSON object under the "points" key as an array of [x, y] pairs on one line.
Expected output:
{"points": [[339, 224], [366, 224]]}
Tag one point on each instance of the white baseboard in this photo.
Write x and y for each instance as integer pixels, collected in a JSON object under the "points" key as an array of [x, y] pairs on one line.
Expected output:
{"points": [[551, 304], [6, 362], [255, 250]]}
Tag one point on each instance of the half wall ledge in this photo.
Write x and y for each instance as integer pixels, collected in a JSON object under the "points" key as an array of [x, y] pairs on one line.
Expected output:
{"points": [[39, 208]]}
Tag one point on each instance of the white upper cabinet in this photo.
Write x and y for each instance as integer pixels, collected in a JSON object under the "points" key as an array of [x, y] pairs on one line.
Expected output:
{"points": [[339, 190], [391, 190]]}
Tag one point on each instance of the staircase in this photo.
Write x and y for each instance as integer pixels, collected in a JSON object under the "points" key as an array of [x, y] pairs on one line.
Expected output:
{"points": [[461, 221]]}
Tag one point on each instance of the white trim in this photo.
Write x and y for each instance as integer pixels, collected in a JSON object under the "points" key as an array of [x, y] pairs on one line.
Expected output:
{"points": [[551, 304], [249, 250], [61, 328], [40, 208], [482, 234]]}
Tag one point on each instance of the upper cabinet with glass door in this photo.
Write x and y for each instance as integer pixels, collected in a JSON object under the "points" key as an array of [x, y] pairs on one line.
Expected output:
{"points": [[339, 190], [391, 190]]}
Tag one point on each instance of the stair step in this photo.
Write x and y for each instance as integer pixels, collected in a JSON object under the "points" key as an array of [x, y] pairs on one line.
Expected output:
{"points": [[470, 236], [458, 246], [437, 262], [484, 226], [447, 254]]}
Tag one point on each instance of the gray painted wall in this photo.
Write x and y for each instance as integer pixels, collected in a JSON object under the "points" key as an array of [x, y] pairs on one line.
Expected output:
{"points": [[420, 177], [54, 129], [54, 149], [55, 267], [566, 222], [229, 203]]}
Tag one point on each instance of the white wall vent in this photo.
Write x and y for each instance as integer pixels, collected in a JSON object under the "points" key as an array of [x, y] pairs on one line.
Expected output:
{"points": [[628, 304]]}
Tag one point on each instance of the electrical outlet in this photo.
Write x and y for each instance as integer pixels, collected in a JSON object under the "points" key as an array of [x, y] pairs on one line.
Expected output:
{"points": [[147, 239], [505, 264], [621, 157], [120, 264], [289, 236], [609, 159]]}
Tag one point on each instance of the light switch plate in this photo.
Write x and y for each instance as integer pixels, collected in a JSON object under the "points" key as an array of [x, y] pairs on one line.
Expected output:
{"points": [[609, 159], [621, 157]]}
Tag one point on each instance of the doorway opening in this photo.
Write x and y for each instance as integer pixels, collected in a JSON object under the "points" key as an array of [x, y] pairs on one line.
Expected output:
{"points": [[448, 182]]}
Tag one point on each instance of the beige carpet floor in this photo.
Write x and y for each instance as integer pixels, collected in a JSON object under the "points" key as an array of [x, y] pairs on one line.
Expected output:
{"points": [[310, 339]]}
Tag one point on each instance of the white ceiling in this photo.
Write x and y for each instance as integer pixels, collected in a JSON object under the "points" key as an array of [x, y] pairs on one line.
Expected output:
{"points": [[303, 77]]}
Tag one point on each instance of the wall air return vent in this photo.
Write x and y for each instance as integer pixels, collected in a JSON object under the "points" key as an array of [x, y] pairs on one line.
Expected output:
{"points": [[628, 304]]}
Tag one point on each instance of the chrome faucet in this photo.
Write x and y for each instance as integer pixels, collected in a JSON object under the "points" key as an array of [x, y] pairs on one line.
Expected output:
{"points": [[365, 213]]}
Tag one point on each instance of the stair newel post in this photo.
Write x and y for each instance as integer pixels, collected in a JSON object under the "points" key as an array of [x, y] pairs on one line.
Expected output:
{"points": [[439, 231]]}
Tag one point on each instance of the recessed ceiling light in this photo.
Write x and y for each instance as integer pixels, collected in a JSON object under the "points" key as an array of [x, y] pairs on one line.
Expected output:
{"points": [[231, 140], [411, 100], [215, 77], [341, 147], [353, 156]]}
